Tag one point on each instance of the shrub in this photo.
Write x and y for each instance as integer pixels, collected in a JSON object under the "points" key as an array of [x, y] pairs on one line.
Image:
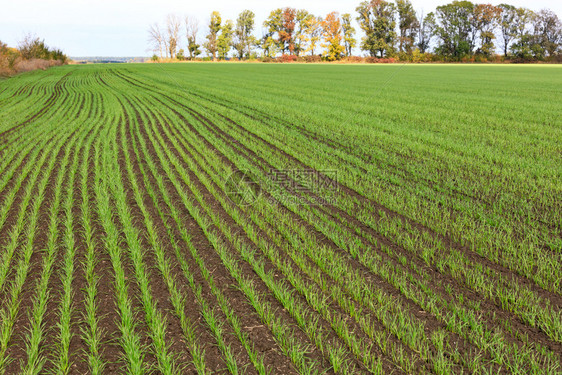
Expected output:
{"points": [[311, 59], [382, 60], [354, 59], [22, 65], [286, 58]]}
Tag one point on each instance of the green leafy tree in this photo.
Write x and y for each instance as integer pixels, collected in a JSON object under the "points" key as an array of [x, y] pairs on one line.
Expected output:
{"points": [[527, 45], [548, 30], [426, 31], [243, 34], [269, 46], [312, 33], [508, 25], [181, 54], [455, 29], [300, 30], [224, 41], [274, 24], [377, 19], [191, 29], [408, 25], [348, 33], [214, 28]]}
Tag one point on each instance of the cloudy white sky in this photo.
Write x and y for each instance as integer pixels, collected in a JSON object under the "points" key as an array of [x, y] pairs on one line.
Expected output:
{"points": [[119, 27]]}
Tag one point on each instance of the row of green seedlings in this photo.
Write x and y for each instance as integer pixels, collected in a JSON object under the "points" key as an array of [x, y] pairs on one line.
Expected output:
{"points": [[548, 275], [130, 339], [156, 321], [232, 319], [345, 306], [35, 357], [282, 332], [551, 272], [34, 339], [309, 323], [63, 358], [515, 298], [45, 136], [10, 311], [9, 314], [269, 248], [295, 279], [529, 266], [90, 332], [34, 167], [332, 232], [176, 297]]}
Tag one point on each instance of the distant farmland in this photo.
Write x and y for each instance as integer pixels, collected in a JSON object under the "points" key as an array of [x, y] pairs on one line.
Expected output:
{"points": [[281, 218]]}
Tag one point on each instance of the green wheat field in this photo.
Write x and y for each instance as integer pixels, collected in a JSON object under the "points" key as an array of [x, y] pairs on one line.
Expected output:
{"points": [[281, 218]]}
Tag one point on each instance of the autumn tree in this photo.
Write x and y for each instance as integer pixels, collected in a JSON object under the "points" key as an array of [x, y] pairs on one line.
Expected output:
{"points": [[214, 28], [243, 34], [269, 46], [377, 19], [300, 30], [288, 29], [191, 30], [273, 24], [224, 40], [348, 33], [312, 33], [332, 33], [408, 25], [487, 18]]}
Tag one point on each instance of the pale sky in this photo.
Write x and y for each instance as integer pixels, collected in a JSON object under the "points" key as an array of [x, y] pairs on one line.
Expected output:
{"points": [[119, 28]]}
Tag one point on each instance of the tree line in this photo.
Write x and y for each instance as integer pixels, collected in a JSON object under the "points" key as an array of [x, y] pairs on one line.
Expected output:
{"points": [[457, 31], [31, 53]]}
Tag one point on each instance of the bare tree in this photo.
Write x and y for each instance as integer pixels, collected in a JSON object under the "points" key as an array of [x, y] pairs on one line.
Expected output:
{"points": [[156, 38], [173, 26], [191, 30]]}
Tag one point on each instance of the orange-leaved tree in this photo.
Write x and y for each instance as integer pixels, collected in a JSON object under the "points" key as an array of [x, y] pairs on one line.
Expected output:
{"points": [[332, 33]]}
